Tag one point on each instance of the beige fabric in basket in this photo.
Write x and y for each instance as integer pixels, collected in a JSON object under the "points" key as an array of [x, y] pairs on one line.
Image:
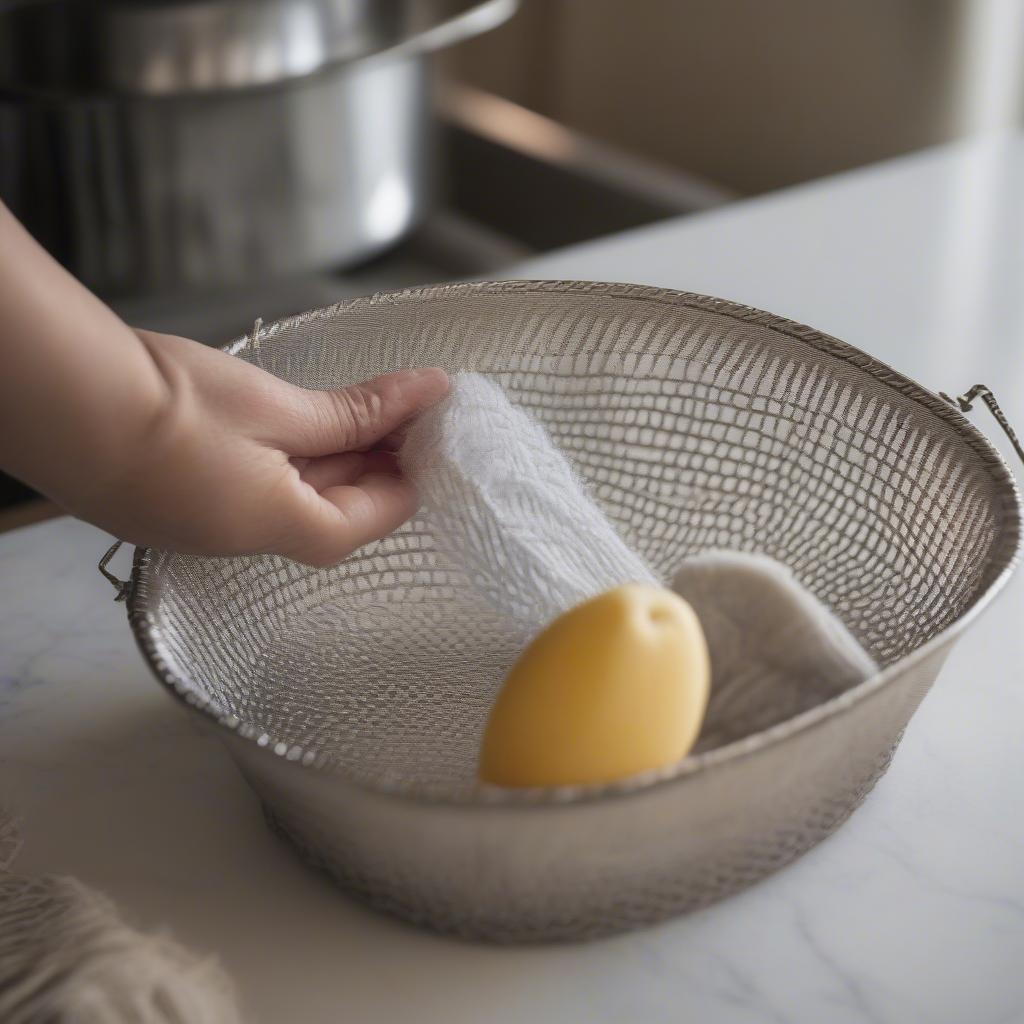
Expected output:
{"points": [[766, 635]]}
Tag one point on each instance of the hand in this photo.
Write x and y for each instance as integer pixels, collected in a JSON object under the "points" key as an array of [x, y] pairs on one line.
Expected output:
{"points": [[234, 460], [164, 442]]}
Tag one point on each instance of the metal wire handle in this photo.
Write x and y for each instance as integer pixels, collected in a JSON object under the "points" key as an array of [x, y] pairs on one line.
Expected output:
{"points": [[965, 403], [123, 587]]}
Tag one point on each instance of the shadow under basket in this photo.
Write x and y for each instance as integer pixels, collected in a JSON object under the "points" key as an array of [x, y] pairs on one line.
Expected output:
{"points": [[354, 698]]}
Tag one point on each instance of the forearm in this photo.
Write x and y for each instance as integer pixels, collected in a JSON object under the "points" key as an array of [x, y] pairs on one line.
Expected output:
{"points": [[78, 390]]}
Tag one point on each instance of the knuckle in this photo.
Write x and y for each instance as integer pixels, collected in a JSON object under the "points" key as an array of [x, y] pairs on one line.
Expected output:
{"points": [[360, 410]]}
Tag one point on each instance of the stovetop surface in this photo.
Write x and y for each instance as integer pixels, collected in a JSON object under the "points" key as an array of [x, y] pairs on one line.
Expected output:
{"points": [[446, 247]]}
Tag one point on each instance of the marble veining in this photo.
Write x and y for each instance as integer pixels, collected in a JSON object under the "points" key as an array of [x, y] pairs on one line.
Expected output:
{"points": [[914, 910]]}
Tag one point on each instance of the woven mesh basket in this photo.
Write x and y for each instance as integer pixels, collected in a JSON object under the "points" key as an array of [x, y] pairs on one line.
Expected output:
{"points": [[353, 698]]}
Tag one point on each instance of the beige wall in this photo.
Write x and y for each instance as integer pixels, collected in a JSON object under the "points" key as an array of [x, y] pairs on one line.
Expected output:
{"points": [[754, 94]]}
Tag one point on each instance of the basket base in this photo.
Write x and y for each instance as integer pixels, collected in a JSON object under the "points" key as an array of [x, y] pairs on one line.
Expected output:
{"points": [[652, 904]]}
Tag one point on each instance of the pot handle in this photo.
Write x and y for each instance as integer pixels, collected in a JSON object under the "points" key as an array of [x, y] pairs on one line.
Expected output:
{"points": [[965, 403], [474, 21]]}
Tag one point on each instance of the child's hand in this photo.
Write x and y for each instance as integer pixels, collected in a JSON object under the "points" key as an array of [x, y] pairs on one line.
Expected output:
{"points": [[236, 460], [162, 441]]}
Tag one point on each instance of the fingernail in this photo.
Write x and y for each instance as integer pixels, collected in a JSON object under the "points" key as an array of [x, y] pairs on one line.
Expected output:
{"points": [[435, 380]]}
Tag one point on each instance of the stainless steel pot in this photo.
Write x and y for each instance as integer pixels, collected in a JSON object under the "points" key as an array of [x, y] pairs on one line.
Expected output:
{"points": [[175, 144]]}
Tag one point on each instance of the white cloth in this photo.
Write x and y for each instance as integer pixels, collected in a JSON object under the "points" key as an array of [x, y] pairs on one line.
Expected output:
{"points": [[775, 649], [506, 508]]}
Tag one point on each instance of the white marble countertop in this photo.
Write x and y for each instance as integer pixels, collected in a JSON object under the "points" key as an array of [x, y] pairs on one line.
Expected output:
{"points": [[912, 912]]}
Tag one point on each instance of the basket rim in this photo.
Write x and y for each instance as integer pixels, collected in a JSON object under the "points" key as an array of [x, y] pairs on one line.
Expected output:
{"points": [[1002, 561]]}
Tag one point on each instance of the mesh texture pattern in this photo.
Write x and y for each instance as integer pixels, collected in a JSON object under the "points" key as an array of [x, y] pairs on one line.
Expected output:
{"points": [[696, 424]]}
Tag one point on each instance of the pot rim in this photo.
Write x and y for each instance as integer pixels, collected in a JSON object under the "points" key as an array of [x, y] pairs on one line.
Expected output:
{"points": [[178, 48]]}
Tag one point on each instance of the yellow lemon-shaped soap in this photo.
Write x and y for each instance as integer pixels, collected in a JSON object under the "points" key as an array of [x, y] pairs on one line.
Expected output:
{"points": [[614, 687]]}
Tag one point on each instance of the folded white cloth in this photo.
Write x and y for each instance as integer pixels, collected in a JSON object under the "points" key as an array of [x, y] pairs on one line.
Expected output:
{"points": [[504, 506], [776, 650]]}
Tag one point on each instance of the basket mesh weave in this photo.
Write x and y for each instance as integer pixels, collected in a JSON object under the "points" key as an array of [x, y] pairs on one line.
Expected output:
{"points": [[698, 425]]}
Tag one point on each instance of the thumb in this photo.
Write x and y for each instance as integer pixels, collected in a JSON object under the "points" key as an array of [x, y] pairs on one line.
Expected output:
{"points": [[357, 417]]}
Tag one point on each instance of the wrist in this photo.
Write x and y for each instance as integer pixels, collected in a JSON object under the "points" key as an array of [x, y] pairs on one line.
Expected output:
{"points": [[80, 394], [77, 439]]}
